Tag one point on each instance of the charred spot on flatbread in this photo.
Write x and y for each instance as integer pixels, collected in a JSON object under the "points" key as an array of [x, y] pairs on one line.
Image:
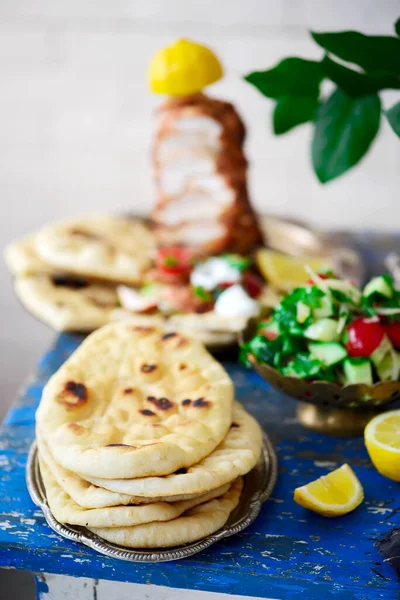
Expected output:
{"points": [[201, 403], [128, 390], [147, 412], [69, 281], [76, 428], [146, 368], [119, 446], [160, 403], [168, 336], [73, 395], [234, 425], [186, 402]]}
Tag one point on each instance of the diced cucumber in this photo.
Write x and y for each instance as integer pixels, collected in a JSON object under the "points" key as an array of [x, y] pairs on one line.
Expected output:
{"points": [[328, 353], [380, 352], [325, 309], [386, 368], [357, 370], [302, 312], [346, 288], [379, 285], [303, 366], [272, 327], [324, 330]]}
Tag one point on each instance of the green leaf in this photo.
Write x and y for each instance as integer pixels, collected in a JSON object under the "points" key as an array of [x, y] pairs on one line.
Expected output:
{"points": [[393, 116], [291, 77], [291, 111], [344, 130], [371, 52], [397, 27], [356, 84]]}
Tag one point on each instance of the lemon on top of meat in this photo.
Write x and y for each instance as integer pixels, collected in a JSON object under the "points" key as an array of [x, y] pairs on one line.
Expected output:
{"points": [[382, 439], [182, 69], [332, 495]]}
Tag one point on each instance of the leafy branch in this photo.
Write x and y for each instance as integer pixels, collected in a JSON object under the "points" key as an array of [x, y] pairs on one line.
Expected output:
{"points": [[347, 122]]}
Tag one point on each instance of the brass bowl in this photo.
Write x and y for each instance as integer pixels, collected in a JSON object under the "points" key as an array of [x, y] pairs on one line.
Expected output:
{"points": [[338, 410]]}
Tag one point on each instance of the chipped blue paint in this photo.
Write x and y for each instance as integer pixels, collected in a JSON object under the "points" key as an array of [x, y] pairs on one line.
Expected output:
{"points": [[286, 552], [42, 589]]}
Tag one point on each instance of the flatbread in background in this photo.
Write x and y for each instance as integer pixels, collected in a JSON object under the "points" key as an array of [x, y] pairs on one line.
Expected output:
{"points": [[65, 510], [134, 401], [88, 495], [237, 454], [193, 525], [196, 326], [22, 259], [67, 303], [112, 248]]}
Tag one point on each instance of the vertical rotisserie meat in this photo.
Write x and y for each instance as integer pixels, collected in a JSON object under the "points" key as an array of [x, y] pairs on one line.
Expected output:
{"points": [[200, 172]]}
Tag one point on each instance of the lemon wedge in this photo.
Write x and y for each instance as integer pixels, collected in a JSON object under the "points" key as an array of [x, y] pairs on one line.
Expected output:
{"points": [[332, 495], [182, 69], [286, 272], [382, 438]]}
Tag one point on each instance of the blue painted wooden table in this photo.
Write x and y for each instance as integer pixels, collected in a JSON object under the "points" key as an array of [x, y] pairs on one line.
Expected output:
{"points": [[286, 552]]}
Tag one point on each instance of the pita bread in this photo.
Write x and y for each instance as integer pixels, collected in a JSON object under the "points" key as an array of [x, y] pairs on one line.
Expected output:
{"points": [[65, 510], [67, 303], [196, 326], [92, 496], [22, 259], [235, 456], [134, 401], [193, 525], [111, 248]]}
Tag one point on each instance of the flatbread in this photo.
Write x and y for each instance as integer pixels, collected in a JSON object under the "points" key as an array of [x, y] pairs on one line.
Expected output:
{"points": [[65, 510], [92, 496], [67, 303], [112, 248], [196, 326], [235, 456], [22, 259], [193, 525], [134, 401]]}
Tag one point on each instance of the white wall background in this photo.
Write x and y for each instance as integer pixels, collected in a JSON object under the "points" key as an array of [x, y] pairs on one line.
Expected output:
{"points": [[76, 119]]}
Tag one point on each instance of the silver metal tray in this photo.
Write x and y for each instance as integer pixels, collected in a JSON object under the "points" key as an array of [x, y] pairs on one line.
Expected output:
{"points": [[258, 486]]}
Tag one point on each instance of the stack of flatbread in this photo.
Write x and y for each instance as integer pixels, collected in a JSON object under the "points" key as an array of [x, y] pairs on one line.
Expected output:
{"points": [[68, 276], [140, 439]]}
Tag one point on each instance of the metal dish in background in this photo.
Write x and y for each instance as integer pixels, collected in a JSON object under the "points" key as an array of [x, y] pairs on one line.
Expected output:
{"points": [[297, 239], [258, 486], [327, 407]]}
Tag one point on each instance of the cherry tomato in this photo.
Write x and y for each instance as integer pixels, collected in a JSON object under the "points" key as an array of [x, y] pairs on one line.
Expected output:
{"points": [[270, 335], [224, 285], [174, 261], [392, 330], [364, 336], [252, 284], [320, 275]]}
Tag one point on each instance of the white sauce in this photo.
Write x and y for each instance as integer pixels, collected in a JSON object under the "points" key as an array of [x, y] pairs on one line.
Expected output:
{"points": [[212, 272], [132, 300], [235, 302]]}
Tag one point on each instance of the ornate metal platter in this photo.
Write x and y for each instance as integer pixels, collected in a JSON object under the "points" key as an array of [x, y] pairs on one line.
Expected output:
{"points": [[258, 486]]}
